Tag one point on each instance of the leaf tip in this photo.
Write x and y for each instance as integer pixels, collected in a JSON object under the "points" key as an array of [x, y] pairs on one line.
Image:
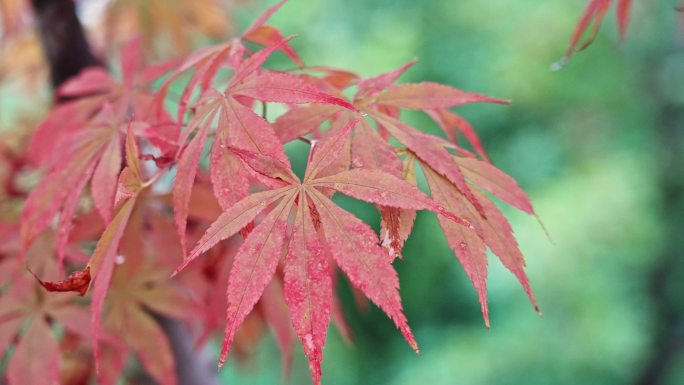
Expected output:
{"points": [[408, 335], [224, 352], [414, 346], [222, 358], [560, 64], [183, 265], [533, 300]]}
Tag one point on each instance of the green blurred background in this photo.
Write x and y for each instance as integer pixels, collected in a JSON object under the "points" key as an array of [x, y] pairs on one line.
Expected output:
{"points": [[597, 146]]}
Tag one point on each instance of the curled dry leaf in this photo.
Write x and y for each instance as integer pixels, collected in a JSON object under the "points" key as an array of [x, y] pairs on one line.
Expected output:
{"points": [[78, 281]]}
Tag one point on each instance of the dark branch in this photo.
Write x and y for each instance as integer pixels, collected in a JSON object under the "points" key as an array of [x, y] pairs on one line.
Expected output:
{"points": [[64, 41]]}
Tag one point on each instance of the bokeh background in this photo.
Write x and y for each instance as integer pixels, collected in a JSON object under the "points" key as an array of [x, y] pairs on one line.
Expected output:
{"points": [[599, 148]]}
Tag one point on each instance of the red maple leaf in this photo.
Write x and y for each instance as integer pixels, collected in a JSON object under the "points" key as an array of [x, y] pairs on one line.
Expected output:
{"points": [[320, 229], [381, 100], [238, 126]]}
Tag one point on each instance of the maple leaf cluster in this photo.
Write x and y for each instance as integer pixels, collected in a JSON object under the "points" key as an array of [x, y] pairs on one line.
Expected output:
{"points": [[145, 229]]}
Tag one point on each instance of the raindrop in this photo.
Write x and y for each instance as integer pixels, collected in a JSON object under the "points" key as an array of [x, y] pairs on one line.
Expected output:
{"points": [[557, 66], [308, 342]]}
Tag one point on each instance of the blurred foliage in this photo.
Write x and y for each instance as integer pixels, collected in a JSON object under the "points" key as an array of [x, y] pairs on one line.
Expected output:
{"points": [[584, 142]]}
